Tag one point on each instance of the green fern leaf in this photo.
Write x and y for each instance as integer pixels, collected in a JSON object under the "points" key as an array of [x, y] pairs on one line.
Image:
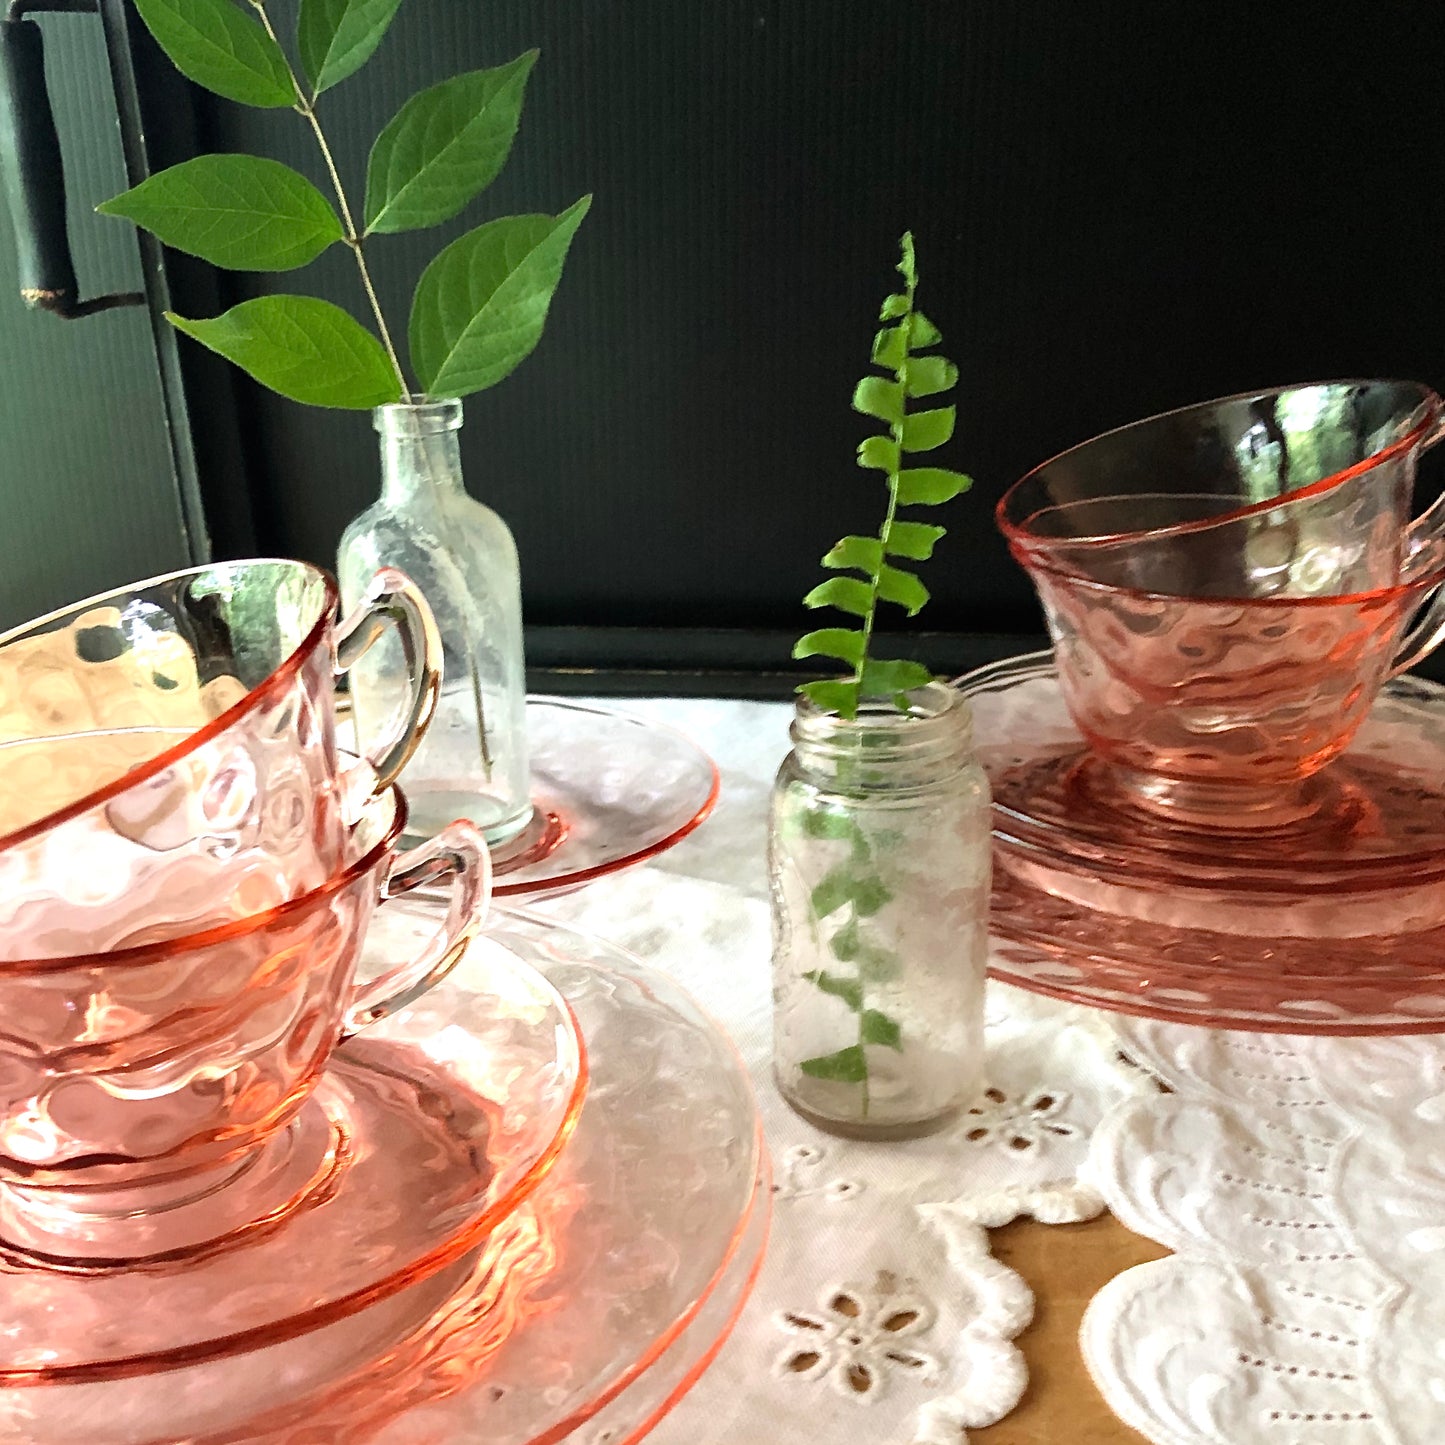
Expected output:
{"points": [[893, 307], [879, 452], [884, 677], [928, 486], [833, 695], [838, 642], [895, 585], [874, 396], [864, 553], [913, 539], [924, 332], [847, 594], [928, 375], [925, 430], [890, 346]]}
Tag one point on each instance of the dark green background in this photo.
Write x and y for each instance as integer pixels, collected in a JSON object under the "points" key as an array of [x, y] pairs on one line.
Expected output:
{"points": [[1119, 208]]}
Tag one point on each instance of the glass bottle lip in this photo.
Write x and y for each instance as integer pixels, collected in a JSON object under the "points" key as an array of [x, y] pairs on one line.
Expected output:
{"points": [[417, 418], [937, 727]]}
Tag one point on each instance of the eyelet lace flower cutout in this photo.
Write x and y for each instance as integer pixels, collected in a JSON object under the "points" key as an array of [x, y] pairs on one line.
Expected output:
{"points": [[859, 1339], [1018, 1124], [798, 1177]]}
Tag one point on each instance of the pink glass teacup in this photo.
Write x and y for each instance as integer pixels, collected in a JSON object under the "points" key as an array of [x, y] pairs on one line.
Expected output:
{"points": [[1299, 491], [156, 1093], [177, 738], [1228, 586]]}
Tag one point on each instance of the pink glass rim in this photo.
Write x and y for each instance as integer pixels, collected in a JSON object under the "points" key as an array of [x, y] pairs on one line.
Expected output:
{"points": [[1018, 535], [152, 953], [1423, 584], [274, 683]]}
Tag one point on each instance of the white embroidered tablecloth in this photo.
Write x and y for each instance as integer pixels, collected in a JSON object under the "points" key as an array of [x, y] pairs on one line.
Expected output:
{"points": [[880, 1315], [1300, 1183]]}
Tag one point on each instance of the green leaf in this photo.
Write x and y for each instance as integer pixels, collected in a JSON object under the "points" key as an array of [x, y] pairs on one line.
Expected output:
{"points": [[846, 942], [925, 333], [928, 375], [883, 677], [444, 146], [879, 452], [875, 964], [337, 37], [833, 695], [847, 1066], [242, 212], [868, 895], [925, 430], [874, 396], [878, 1028], [847, 594], [893, 307], [834, 823], [840, 642], [895, 585], [928, 486], [847, 989], [216, 44], [864, 553], [303, 348], [907, 264], [913, 539], [481, 305], [890, 347], [832, 891]]}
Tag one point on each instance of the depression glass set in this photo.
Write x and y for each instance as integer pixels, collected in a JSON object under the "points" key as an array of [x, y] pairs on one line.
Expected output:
{"points": [[273, 1107]]}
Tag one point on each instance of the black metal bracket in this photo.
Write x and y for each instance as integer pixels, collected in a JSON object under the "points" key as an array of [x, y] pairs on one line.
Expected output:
{"points": [[33, 171]]}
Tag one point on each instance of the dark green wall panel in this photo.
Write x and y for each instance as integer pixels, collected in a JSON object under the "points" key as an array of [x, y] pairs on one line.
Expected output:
{"points": [[1120, 207]]}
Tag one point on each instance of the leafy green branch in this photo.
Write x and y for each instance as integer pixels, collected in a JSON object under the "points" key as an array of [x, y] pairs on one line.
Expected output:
{"points": [[479, 308], [896, 348]]}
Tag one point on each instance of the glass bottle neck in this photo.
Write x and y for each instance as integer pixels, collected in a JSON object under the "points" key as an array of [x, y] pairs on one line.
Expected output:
{"points": [[884, 749], [420, 455]]}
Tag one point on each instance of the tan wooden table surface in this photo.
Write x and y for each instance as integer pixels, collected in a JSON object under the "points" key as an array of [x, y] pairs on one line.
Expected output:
{"points": [[1064, 1264]]}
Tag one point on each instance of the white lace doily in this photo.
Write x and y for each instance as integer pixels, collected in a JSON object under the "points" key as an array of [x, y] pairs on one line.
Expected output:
{"points": [[1300, 1183], [880, 1315]]}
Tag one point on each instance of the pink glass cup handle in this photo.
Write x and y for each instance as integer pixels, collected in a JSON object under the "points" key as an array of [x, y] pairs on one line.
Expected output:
{"points": [[1424, 553], [392, 597], [457, 855]]}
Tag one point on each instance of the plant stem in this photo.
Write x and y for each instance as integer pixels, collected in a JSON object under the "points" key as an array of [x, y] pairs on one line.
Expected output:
{"points": [[306, 108], [875, 580]]}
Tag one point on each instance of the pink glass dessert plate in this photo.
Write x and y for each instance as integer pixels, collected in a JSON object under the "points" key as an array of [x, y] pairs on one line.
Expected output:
{"points": [[608, 791], [419, 1140], [1333, 922], [585, 1314]]}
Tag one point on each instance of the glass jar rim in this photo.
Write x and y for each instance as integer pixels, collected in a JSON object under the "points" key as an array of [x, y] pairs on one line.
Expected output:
{"points": [[938, 724], [417, 418]]}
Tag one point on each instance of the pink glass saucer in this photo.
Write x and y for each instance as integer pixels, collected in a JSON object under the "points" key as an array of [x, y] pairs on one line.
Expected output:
{"points": [[590, 1310], [1335, 925], [608, 791], [416, 1143]]}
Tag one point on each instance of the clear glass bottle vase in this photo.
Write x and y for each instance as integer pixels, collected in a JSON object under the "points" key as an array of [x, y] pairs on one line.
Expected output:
{"points": [[879, 856], [472, 763]]}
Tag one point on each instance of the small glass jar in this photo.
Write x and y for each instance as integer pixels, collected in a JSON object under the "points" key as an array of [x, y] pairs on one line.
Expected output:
{"points": [[472, 762], [879, 857]]}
